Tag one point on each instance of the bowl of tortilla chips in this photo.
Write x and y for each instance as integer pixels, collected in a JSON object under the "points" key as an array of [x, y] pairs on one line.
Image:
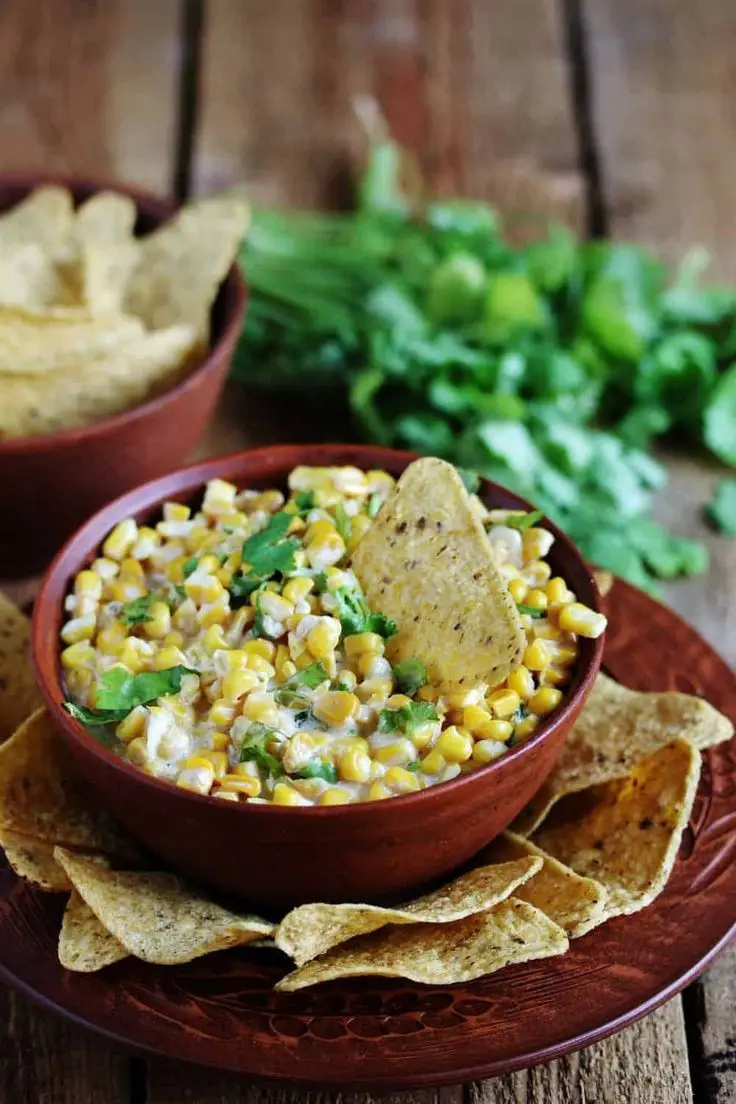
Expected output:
{"points": [[367, 849], [118, 318]]}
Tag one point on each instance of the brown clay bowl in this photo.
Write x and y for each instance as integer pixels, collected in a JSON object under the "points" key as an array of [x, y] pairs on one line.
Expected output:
{"points": [[49, 484], [278, 856]]}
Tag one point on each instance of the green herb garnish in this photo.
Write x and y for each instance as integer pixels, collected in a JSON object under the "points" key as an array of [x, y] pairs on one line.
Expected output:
{"points": [[410, 674], [721, 511], [407, 718], [522, 522], [190, 566], [471, 480], [318, 768], [304, 501], [531, 611], [374, 505], [343, 523], [254, 748], [355, 616], [267, 553], [120, 692]]}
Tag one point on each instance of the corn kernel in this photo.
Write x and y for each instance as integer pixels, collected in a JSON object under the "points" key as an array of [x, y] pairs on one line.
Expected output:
{"points": [[225, 795], [538, 573], [133, 725], [79, 628], [276, 606], [577, 618], [454, 744], [378, 792], [433, 762], [158, 624], [504, 703], [522, 681], [196, 775], [241, 784], [219, 498], [545, 700], [334, 707], [335, 796], [377, 689], [525, 728], [359, 643], [236, 684], [106, 569], [319, 531], [556, 591], [173, 639], [347, 680], [324, 637], [121, 540], [563, 657], [220, 741], [355, 765], [554, 676], [77, 655], [169, 657], [261, 667], [536, 543], [138, 751], [215, 614], [518, 589], [546, 630], [297, 589], [266, 649], [176, 511], [284, 794], [396, 754], [88, 590], [401, 780], [260, 706], [537, 598], [536, 656], [222, 713], [423, 735], [373, 666], [360, 526]]}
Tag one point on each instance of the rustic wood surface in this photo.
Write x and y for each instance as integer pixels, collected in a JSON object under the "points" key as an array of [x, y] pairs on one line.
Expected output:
{"points": [[611, 114]]}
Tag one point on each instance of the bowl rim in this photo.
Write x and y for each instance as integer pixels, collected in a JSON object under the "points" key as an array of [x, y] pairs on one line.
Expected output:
{"points": [[161, 208], [150, 495]]}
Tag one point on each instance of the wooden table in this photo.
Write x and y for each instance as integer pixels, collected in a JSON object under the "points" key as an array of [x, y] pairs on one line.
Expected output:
{"points": [[615, 116]]}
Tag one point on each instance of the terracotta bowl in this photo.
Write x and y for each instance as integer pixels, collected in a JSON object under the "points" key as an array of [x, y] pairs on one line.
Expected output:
{"points": [[49, 484], [277, 856]]}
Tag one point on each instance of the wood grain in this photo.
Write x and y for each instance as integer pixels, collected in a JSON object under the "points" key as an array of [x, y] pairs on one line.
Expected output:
{"points": [[663, 86], [77, 80], [478, 91]]}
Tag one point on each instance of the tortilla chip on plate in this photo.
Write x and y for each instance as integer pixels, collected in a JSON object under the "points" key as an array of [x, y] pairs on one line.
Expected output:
{"points": [[617, 729], [182, 264], [33, 860], [577, 904], [19, 694], [42, 797], [310, 930], [156, 916], [427, 562], [45, 217], [85, 945], [440, 954], [139, 369], [628, 840]]}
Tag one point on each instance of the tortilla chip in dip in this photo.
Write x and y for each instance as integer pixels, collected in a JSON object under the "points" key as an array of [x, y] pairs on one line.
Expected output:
{"points": [[85, 945], [310, 930], [155, 916], [575, 903], [440, 954], [33, 860], [617, 729], [19, 694], [628, 840], [42, 797], [427, 563]]}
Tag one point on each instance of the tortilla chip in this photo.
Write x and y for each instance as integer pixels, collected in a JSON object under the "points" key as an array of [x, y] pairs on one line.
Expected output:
{"points": [[30, 278], [617, 729], [156, 916], [181, 265], [44, 217], [310, 930], [33, 860], [575, 903], [19, 694], [628, 840], [108, 251], [427, 562], [104, 218], [59, 340], [84, 944], [440, 954], [41, 796], [136, 371]]}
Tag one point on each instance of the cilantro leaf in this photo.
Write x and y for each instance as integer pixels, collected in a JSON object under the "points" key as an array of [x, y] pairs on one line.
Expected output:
{"points": [[407, 718], [92, 717], [190, 566], [307, 717], [267, 553], [721, 511], [531, 611], [254, 748], [321, 582], [719, 418], [522, 522], [381, 624], [343, 522], [310, 676], [137, 612], [120, 692], [410, 674], [355, 616], [318, 768], [414, 767], [374, 505], [471, 480], [304, 501]]}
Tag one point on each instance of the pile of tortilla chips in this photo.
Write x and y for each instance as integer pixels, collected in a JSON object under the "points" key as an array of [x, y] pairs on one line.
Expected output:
{"points": [[94, 320], [598, 841]]}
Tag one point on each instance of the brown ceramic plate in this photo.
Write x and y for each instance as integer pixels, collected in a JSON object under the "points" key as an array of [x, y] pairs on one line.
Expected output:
{"points": [[373, 1033]]}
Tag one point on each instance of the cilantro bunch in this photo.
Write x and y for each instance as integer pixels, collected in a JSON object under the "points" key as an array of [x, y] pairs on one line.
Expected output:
{"points": [[552, 368]]}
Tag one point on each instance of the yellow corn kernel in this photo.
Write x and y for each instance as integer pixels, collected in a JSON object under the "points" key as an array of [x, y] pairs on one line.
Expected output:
{"points": [[77, 655], [296, 525], [504, 702], [556, 591], [214, 639], [285, 669], [121, 540], [485, 751], [324, 637], [200, 538], [276, 606], [525, 728], [423, 735], [174, 569], [577, 618], [327, 550], [537, 543], [138, 751], [518, 590], [260, 706], [475, 719], [106, 569], [266, 649], [88, 588], [176, 511], [358, 529], [260, 666], [554, 676], [335, 796], [373, 666], [355, 765], [378, 792], [433, 762], [375, 689], [133, 725], [79, 683], [284, 794], [522, 681], [173, 639], [455, 745], [536, 598], [545, 630], [401, 780], [197, 774], [335, 707], [169, 657], [243, 784], [109, 640], [398, 701], [236, 684], [545, 700], [395, 754], [131, 657], [224, 575], [220, 741], [538, 573], [79, 628], [297, 589], [219, 498], [563, 657], [319, 531], [536, 656], [218, 759], [121, 591], [224, 795], [222, 713], [232, 659], [158, 624], [131, 570], [361, 643]]}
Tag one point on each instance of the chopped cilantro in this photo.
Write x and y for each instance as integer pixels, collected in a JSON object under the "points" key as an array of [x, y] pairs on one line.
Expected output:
{"points": [[137, 612], [267, 553], [190, 566], [414, 767], [307, 717], [407, 718], [374, 505], [318, 768], [120, 692], [355, 617], [321, 582], [522, 522], [531, 611], [259, 623], [180, 591], [304, 501], [343, 522], [721, 511], [410, 674], [471, 480], [254, 748], [310, 676]]}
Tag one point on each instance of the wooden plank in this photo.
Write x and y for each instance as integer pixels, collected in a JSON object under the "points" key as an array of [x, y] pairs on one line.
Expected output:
{"points": [[478, 91], [47, 1060], [90, 86], [710, 1006], [663, 87]]}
